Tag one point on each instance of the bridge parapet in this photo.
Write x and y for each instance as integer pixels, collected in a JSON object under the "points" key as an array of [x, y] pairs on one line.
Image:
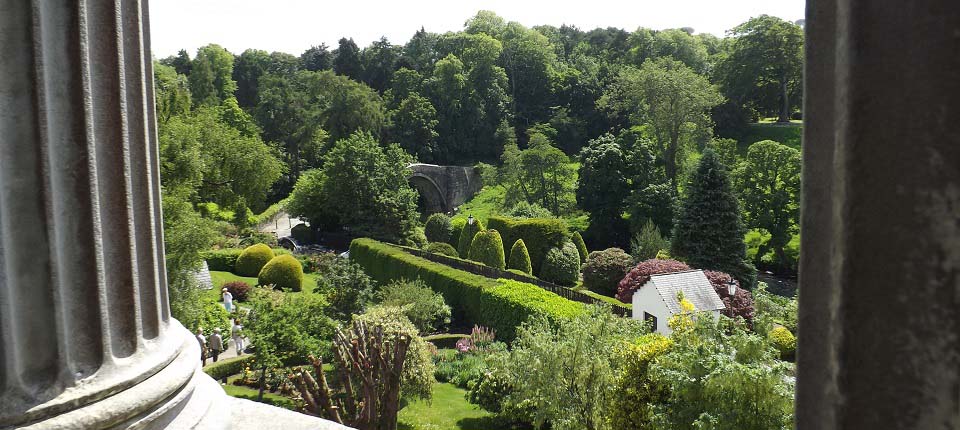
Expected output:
{"points": [[443, 188]]}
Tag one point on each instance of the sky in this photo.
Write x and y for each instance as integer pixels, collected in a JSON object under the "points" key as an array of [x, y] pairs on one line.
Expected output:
{"points": [[292, 26]]}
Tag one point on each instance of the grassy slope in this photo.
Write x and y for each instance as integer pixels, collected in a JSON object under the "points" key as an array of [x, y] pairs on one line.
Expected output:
{"points": [[786, 134], [220, 278], [448, 410]]}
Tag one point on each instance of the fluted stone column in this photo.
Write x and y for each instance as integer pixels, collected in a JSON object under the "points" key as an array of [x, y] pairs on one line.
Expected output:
{"points": [[879, 322], [86, 336]]}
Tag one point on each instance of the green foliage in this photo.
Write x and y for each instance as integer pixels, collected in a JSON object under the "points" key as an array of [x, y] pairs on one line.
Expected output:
{"points": [[222, 260], [654, 203], [487, 249], [252, 260], [283, 272], [539, 235], [456, 230], [416, 379], [528, 210], [424, 307], [211, 76], [636, 396], [466, 236], [287, 328], [442, 248], [347, 288], [581, 247], [438, 228], [541, 174], [501, 305], [783, 341], [228, 367], [212, 316], [604, 270], [709, 233], [771, 310], [302, 233], [172, 92], [561, 265], [520, 258], [648, 242]]}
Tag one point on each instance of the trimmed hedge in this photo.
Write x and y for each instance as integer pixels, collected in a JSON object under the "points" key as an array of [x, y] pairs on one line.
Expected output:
{"points": [[283, 272], [539, 235], [438, 228], [581, 247], [520, 258], [487, 249], [466, 236], [495, 303], [456, 227], [228, 367], [442, 249], [562, 265], [253, 259], [222, 260]]}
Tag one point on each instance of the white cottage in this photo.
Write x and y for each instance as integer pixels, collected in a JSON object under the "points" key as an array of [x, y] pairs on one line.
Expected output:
{"points": [[656, 301]]}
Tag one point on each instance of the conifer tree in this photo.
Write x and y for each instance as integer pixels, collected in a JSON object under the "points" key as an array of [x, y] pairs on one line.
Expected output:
{"points": [[708, 233]]}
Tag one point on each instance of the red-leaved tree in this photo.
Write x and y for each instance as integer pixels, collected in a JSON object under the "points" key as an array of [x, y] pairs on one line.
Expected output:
{"points": [[640, 274], [740, 304]]}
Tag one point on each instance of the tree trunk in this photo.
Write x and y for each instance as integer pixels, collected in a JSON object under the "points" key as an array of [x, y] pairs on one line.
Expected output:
{"points": [[785, 108]]}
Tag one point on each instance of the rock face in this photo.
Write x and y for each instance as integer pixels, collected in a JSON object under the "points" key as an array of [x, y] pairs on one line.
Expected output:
{"points": [[444, 188]]}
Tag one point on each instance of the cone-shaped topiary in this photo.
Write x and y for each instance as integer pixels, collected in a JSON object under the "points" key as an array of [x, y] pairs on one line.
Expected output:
{"points": [[581, 247], [487, 248], [283, 272], [456, 227], [520, 258], [438, 228], [466, 236], [561, 265], [252, 259]]}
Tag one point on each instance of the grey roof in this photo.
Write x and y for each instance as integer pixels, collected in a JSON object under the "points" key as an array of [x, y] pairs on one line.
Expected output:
{"points": [[695, 286]]}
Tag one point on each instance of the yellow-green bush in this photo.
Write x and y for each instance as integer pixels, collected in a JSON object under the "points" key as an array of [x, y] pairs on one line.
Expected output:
{"points": [[283, 272], [456, 227], [520, 258], [466, 236], [487, 249], [442, 249], [561, 265], [784, 341], [539, 235], [581, 247], [635, 393], [252, 259], [222, 260]]}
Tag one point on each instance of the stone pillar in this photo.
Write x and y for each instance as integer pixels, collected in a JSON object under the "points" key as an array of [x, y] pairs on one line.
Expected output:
{"points": [[86, 337], [880, 262]]}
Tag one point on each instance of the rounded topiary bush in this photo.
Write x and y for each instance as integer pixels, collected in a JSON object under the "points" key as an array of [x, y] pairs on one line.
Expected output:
{"points": [[581, 247], [438, 228], [466, 236], [283, 272], [784, 341], [604, 269], [302, 234], [456, 227], [441, 248], [487, 248], [640, 274], [561, 265], [252, 259], [520, 258]]}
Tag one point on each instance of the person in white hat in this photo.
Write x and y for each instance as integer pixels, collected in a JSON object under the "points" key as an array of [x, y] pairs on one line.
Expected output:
{"points": [[227, 300]]}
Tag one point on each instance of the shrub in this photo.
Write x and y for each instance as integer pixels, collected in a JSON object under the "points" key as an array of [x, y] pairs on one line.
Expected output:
{"points": [[640, 274], [738, 305], [520, 258], [441, 248], [239, 289], [487, 248], [539, 235], [212, 315], [347, 288], [523, 209], [635, 393], [283, 272], [604, 270], [456, 228], [438, 228], [222, 260], [647, 242], [228, 367], [501, 304], [783, 341], [466, 236], [424, 307], [302, 234], [418, 369], [252, 260], [319, 262], [581, 247], [562, 265]]}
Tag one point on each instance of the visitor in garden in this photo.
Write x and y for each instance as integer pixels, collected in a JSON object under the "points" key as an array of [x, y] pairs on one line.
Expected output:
{"points": [[227, 300], [216, 344], [237, 333], [203, 345]]}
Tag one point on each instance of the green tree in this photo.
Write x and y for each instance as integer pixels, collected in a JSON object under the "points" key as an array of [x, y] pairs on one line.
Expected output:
{"points": [[363, 187], [769, 184], [708, 233], [185, 235], [541, 174], [317, 58], [211, 76], [668, 97], [181, 62], [424, 307], [420, 52], [346, 61], [602, 187], [764, 66], [414, 125], [249, 66], [172, 92], [379, 60]]}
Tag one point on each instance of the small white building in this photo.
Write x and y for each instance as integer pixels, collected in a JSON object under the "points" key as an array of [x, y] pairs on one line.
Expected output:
{"points": [[656, 301]]}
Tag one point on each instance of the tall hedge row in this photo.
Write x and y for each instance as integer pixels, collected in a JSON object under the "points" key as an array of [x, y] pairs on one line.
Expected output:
{"points": [[538, 234], [498, 304]]}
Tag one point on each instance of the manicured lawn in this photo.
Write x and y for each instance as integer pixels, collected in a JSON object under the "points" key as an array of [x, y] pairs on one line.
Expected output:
{"points": [[448, 410], [220, 278], [789, 135], [251, 394], [611, 300]]}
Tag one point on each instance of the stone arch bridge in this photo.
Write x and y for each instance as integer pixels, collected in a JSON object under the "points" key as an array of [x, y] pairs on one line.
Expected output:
{"points": [[444, 188]]}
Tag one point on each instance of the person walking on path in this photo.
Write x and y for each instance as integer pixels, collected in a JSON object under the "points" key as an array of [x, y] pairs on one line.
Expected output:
{"points": [[203, 345], [216, 344], [237, 333], [227, 300]]}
